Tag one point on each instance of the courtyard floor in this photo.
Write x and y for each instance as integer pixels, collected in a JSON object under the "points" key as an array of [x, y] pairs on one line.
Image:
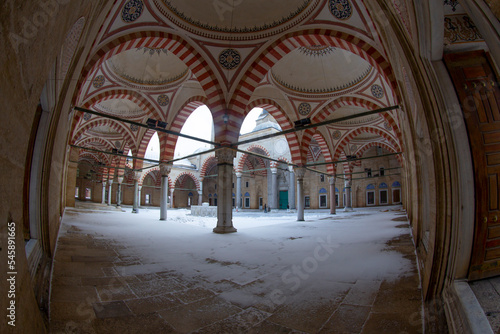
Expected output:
{"points": [[118, 272]]}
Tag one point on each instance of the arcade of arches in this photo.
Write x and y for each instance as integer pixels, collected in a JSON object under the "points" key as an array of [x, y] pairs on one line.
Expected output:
{"points": [[364, 103]]}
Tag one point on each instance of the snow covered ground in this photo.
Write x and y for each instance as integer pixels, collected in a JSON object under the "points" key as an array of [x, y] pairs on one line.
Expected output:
{"points": [[272, 259]]}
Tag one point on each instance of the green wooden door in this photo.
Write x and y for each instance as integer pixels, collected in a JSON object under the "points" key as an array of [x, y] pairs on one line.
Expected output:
{"points": [[283, 199]]}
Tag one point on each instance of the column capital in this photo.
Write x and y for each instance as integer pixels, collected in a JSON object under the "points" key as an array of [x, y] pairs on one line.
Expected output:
{"points": [[300, 172], [165, 168], [332, 179], [274, 170], [110, 182], [291, 169], [238, 174], [137, 176], [225, 156], [347, 183], [120, 179]]}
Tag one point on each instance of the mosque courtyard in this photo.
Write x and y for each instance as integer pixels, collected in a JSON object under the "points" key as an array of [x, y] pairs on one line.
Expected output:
{"points": [[117, 272]]}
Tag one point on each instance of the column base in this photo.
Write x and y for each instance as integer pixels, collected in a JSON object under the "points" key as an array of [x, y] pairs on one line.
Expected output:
{"points": [[224, 229], [135, 210], [348, 209]]}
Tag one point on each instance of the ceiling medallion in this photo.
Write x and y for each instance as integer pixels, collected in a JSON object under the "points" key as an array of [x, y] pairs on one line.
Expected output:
{"points": [[118, 144], [152, 51], [341, 9], [134, 127], [336, 135], [132, 10], [99, 81], [387, 126], [87, 116], [229, 59], [354, 148], [452, 3], [317, 50], [377, 91], [163, 100], [304, 108]]}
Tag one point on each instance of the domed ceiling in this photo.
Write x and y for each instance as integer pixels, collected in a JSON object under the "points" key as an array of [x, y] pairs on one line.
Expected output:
{"points": [[238, 17], [148, 66], [321, 69], [121, 108], [350, 111]]}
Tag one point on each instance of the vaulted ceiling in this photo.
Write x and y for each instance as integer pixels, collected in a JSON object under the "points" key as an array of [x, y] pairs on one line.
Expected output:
{"points": [[161, 59]]}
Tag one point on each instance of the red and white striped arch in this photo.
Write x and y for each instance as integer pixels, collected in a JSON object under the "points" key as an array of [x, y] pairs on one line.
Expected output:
{"points": [[310, 37], [171, 42], [119, 94], [361, 151], [90, 140], [325, 150], [284, 122], [143, 146], [208, 164], [156, 175], [120, 128], [355, 132], [357, 102], [168, 142], [244, 157], [182, 178]]}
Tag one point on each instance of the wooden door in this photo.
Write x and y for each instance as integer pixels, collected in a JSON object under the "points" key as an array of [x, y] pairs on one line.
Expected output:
{"points": [[477, 87]]}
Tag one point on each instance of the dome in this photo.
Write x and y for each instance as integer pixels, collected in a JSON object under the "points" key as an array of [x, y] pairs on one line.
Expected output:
{"points": [[321, 69], [148, 66]]}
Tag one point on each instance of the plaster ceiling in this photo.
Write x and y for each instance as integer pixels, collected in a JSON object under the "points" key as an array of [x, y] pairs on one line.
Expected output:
{"points": [[236, 16], [103, 130], [148, 66], [121, 107], [349, 111], [320, 70]]}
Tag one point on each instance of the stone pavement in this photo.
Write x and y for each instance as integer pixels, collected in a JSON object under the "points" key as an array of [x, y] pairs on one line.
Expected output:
{"points": [[88, 295]]}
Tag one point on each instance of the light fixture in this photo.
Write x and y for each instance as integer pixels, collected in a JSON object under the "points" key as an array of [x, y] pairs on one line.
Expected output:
{"points": [[302, 122], [225, 117]]}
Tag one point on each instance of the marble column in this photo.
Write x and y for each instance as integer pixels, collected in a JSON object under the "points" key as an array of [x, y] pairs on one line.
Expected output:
{"points": [[274, 189], [332, 195], [135, 207], [291, 189], [200, 194], [119, 192], [103, 192], [300, 172], [348, 204], [172, 198], [238, 191], [225, 158], [110, 184], [139, 195], [164, 170]]}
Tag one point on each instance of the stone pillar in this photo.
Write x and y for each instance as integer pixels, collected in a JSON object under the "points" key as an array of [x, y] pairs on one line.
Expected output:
{"points": [[110, 191], [71, 176], [200, 193], [225, 159], [291, 189], [164, 170], [103, 201], [274, 187], [139, 195], [332, 195], [348, 204], [238, 191], [119, 193], [135, 207], [300, 172], [172, 197]]}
